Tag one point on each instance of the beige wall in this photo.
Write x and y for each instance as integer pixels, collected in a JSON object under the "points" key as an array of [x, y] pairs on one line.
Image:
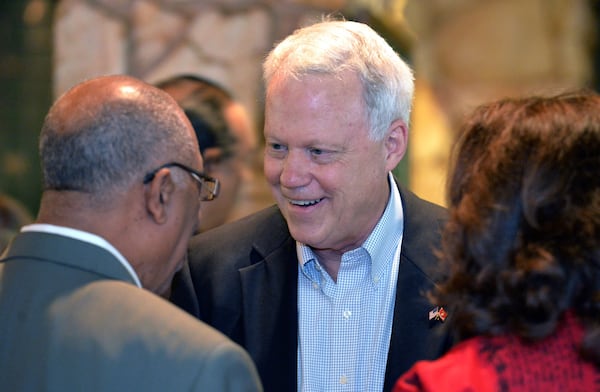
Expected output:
{"points": [[464, 52], [470, 51]]}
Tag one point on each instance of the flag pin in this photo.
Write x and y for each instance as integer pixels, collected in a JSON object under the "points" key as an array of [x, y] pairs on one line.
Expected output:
{"points": [[438, 313]]}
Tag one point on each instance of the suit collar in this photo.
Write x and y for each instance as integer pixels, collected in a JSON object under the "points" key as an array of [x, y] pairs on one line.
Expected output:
{"points": [[73, 253], [417, 234], [86, 237], [271, 234], [410, 328]]}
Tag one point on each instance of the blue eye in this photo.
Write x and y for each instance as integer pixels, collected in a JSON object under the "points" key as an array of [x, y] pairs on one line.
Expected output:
{"points": [[276, 150]]}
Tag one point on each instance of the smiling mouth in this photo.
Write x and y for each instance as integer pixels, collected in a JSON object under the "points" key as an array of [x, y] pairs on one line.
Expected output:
{"points": [[304, 203]]}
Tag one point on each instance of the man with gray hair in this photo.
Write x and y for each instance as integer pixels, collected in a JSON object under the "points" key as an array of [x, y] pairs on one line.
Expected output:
{"points": [[123, 183], [325, 290]]}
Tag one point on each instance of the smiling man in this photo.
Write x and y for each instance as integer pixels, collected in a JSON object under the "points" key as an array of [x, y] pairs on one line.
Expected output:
{"points": [[325, 290]]}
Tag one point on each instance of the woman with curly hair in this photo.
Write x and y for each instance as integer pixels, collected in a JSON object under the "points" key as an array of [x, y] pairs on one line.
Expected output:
{"points": [[522, 247]]}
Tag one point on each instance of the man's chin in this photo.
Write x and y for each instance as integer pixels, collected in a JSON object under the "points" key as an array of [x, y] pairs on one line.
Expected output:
{"points": [[304, 234]]}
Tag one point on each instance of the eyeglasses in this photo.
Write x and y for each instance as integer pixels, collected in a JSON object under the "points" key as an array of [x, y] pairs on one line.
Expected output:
{"points": [[209, 187]]}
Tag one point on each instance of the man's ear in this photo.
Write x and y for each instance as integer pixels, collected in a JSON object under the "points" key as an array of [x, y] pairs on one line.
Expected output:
{"points": [[396, 142], [159, 194]]}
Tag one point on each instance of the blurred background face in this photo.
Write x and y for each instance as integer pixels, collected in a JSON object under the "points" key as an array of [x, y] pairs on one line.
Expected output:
{"points": [[230, 159], [226, 167], [247, 139]]}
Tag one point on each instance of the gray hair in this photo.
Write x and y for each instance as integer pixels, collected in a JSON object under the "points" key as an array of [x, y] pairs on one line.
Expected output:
{"points": [[330, 47], [113, 144]]}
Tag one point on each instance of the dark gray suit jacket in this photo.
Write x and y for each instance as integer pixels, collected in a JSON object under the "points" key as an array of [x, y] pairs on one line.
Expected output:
{"points": [[242, 279], [72, 320]]}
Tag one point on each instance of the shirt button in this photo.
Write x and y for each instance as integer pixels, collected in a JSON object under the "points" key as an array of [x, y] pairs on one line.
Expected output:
{"points": [[376, 279], [315, 285], [343, 380], [346, 314]]}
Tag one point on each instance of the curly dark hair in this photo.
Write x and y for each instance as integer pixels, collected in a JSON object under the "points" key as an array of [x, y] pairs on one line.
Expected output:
{"points": [[522, 244]]}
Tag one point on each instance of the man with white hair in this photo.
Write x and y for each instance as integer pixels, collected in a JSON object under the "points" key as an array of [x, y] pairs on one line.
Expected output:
{"points": [[325, 290]]}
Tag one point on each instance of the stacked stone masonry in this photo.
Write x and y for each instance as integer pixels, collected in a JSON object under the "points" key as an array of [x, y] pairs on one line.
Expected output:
{"points": [[464, 52]]}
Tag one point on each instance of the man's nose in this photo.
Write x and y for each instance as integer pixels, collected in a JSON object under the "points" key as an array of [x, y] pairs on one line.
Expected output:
{"points": [[295, 170]]}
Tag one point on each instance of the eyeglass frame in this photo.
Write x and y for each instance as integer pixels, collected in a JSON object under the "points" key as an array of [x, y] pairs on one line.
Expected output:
{"points": [[199, 177]]}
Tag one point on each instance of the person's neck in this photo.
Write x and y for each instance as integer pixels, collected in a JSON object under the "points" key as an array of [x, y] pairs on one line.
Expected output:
{"points": [[74, 210]]}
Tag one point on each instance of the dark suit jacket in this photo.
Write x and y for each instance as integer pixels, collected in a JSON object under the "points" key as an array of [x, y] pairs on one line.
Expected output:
{"points": [[72, 320], [242, 279]]}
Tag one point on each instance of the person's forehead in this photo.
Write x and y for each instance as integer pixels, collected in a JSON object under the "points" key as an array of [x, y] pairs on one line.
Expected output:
{"points": [[315, 103], [324, 94]]}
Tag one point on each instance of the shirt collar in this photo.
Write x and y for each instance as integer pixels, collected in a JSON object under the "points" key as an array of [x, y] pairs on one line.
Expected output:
{"points": [[383, 240], [85, 237]]}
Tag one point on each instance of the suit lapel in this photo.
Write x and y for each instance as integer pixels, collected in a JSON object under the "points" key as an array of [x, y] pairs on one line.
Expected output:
{"points": [[412, 336], [269, 292]]}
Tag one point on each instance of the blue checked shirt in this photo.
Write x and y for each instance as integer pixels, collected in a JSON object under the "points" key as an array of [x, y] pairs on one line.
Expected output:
{"points": [[345, 327]]}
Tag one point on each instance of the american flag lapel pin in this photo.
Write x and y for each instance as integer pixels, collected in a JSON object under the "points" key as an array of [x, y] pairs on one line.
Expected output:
{"points": [[438, 313]]}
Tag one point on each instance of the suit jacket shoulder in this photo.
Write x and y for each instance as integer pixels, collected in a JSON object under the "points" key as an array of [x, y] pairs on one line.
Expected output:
{"points": [[216, 256], [76, 325], [241, 278], [152, 344]]}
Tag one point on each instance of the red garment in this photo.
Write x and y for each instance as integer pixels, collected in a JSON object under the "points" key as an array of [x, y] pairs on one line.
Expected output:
{"points": [[506, 363]]}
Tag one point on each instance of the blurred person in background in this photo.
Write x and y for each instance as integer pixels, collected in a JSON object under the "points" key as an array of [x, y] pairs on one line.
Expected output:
{"points": [[228, 143], [13, 215]]}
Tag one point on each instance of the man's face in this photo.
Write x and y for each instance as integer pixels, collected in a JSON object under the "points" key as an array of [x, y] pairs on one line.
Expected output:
{"points": [[182, 205], [328, 177]]}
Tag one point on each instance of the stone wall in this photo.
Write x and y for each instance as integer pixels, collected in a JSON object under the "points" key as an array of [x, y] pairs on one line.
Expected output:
{"points": [[225, 41], [464, 52]]}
